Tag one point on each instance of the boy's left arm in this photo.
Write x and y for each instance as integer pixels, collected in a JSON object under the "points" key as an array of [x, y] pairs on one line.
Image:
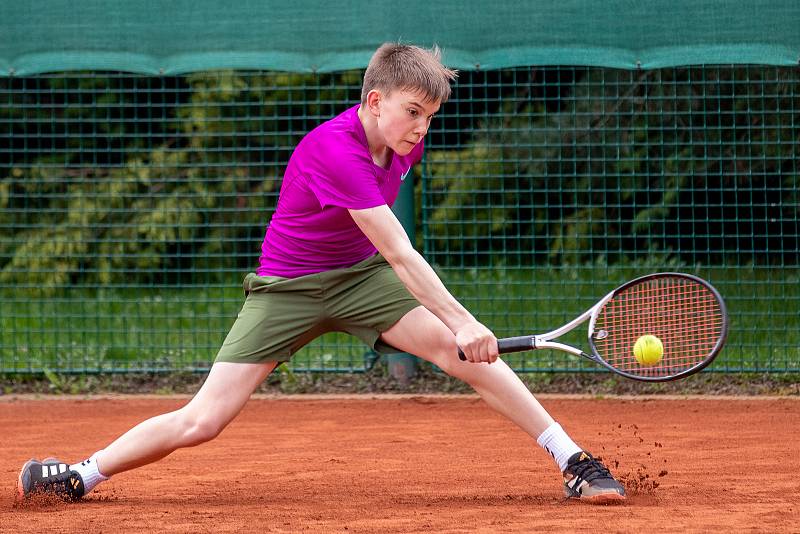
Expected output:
{"points": [[383, 229]]}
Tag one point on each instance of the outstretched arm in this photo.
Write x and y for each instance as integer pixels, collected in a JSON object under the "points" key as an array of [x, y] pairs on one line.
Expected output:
{"points": [[383, 229]]}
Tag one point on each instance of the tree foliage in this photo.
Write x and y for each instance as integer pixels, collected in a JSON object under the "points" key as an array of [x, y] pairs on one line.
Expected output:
{"points": [[164, 191], [628, 163]]}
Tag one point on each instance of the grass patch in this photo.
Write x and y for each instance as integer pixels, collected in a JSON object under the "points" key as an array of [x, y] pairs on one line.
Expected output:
{"points": [[151, 329]]}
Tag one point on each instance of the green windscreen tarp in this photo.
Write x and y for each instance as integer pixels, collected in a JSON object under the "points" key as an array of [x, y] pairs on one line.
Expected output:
{"points": [[181, 36]]}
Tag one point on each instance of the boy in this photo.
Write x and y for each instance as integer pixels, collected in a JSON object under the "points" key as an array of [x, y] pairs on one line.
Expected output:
{"points": [[335, 258]]}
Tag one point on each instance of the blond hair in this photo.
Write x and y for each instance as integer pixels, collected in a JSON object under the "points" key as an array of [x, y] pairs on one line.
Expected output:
{"points": [[398, 66]]}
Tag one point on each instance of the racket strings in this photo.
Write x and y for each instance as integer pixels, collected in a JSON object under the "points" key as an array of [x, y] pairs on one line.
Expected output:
{"points": [[683, 313]]}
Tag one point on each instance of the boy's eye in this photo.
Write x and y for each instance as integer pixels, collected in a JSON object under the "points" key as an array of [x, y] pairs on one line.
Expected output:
{"points": [[413, 112]]}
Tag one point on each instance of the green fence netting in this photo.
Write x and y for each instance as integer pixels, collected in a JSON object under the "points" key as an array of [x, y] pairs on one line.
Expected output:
{"points": [[131, 206]]}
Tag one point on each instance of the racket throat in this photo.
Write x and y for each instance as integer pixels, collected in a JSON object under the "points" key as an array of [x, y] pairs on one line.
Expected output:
{"points": [[541, 342]]}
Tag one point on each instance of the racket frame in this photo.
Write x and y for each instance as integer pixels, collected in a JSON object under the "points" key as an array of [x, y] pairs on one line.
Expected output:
{"points": [[595, 311], [547, 340]]}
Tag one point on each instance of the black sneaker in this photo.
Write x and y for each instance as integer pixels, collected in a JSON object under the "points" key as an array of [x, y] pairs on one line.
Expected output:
{"points": [[49, 477], [587, 479]]}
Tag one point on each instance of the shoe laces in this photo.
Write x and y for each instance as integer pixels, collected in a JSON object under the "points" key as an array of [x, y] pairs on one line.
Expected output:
{"points": [[590, 469], [63, 484]]}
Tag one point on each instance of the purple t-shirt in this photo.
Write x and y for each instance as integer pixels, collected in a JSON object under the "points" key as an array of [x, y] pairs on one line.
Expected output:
{"points": [[330, 171]]}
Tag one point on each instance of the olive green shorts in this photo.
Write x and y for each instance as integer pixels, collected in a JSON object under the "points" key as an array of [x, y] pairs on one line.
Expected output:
{"points": [[281, 315]]}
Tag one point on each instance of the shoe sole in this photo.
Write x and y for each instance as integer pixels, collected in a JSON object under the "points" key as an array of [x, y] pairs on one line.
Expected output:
{"points": [[603, 498]]}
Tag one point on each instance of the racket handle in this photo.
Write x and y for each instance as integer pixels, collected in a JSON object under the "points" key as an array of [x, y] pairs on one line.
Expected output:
{"points": [[508, 344]]}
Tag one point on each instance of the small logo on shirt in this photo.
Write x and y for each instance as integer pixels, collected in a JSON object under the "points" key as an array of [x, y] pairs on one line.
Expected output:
{"points": [[403, 176]]}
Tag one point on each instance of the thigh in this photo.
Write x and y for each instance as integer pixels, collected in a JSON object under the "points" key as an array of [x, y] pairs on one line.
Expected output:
{"points": [[226, 390], [421, 333]]}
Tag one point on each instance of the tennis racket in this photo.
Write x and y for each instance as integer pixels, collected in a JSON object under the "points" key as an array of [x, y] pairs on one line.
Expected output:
{"points": [[685, 312]]}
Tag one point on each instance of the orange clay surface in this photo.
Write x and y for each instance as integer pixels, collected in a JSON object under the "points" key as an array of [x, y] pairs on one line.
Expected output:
{"points": [[417, 464]]}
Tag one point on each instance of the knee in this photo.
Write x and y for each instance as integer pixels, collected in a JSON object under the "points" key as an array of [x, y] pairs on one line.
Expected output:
{"points": [[448, 361], [448, 367], [445, 357], [199, 428]]}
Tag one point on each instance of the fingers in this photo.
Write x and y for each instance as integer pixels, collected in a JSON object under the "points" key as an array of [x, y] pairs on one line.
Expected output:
{"points": [[477, 353], [477, 343]]}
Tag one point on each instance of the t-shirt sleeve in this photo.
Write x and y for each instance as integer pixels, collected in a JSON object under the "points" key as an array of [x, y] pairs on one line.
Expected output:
{"points": [[346, 181]]}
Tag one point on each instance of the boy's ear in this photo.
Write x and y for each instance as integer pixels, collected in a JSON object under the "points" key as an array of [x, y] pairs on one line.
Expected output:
{"points": [[374, 99]]}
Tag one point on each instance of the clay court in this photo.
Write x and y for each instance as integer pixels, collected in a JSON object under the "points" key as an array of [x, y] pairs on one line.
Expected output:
{"points": [[418, 464]]}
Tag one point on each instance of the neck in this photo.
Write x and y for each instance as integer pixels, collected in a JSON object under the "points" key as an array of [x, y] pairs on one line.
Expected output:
{"points": [[377, 148]]}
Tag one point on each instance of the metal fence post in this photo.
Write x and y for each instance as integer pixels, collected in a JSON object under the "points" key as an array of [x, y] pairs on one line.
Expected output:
{"points": [[403, 366]]}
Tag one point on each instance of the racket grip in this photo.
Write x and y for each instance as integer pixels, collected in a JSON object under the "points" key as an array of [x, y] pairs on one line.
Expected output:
{"points": [[508, 344]]}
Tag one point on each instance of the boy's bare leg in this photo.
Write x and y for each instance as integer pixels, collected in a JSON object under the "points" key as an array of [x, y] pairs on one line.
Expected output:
{"points": [[421, 333], [219, 400]]}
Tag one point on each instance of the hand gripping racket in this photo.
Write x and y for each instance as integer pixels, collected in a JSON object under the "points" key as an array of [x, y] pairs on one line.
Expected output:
{"points": [[685, 312]]}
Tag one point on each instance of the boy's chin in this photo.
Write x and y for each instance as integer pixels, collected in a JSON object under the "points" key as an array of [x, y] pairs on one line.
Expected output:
{"points": [[403, 148]]}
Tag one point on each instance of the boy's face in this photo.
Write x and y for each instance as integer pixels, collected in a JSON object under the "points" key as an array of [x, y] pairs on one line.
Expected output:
{"points": [[403, 119]]}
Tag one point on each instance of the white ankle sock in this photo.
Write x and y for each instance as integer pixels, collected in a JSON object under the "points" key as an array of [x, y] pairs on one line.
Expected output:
{"points": [[87, 469], [555, 441]]}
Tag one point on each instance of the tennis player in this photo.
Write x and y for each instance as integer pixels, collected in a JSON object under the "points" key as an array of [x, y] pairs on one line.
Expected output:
{"points": [[335, 258]]}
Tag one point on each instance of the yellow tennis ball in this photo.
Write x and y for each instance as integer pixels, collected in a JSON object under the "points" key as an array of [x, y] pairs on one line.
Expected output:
{"points": [[648, 350]]}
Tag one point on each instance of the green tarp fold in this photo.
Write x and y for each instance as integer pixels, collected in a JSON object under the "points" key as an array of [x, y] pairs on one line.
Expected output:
{"points": [[38, 36]]}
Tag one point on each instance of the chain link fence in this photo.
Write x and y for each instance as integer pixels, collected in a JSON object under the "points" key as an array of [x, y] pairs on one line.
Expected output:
{"points": [[132, 206]]}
